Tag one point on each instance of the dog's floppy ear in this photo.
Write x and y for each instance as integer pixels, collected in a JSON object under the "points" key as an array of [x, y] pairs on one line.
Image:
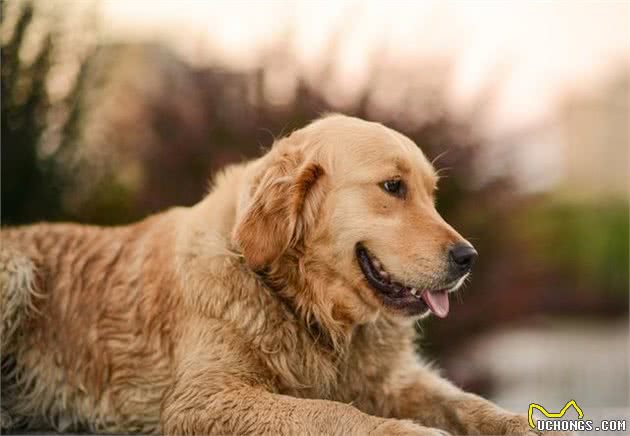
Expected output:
{"points": [[276, 215]]}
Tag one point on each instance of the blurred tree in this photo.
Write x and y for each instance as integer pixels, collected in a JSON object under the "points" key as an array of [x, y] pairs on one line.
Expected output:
{"points": [[24, 105], [33, 182]]}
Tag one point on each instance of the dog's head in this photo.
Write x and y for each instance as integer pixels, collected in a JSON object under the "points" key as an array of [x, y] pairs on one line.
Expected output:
{"points": [[344, 209]]}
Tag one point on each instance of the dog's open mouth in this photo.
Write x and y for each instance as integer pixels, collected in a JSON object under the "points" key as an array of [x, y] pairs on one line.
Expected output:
{"points": [[410, 299]]}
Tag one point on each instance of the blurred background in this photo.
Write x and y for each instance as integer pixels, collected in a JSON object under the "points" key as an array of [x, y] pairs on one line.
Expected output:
{"points": [[112, 110]]}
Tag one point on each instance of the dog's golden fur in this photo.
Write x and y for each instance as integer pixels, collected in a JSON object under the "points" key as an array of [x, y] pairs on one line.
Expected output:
{"points": [[244, 314]]}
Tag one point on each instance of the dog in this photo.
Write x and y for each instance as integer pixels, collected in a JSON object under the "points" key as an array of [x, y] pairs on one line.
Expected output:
{"points": [[282, 303]]}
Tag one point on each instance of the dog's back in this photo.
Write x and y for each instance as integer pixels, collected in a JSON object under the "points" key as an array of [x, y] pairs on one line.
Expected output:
{"points": [[84, 325]]}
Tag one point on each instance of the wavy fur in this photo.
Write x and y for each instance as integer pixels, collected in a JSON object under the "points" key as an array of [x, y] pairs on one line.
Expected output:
{"points": [[244, 314]]}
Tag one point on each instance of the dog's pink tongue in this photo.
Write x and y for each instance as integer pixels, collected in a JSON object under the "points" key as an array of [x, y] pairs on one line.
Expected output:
{"points": [[437, 302]]}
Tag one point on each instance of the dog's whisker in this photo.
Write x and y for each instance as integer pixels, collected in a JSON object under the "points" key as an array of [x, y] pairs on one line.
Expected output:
{"points": [[439, 156]]}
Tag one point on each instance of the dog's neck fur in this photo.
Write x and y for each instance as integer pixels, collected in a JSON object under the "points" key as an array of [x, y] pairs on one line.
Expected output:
{"points": [[292, 294], [292, 281], [294, 286]]}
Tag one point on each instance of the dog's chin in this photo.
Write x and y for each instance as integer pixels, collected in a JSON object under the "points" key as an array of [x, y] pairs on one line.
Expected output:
{"points": [[400, 298]]}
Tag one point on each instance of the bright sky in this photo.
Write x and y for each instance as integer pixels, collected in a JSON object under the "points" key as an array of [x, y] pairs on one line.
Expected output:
{"points": [[549, 47]]}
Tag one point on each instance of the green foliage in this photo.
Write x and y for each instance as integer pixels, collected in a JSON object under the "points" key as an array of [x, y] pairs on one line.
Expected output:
{"points": [[588, 241]]}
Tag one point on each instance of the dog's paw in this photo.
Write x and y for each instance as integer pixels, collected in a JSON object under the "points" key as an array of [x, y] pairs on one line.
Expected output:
{"points": [[516, 425], [519, 425], [396, 427]]}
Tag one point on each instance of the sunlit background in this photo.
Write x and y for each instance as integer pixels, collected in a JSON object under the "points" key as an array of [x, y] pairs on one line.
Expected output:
{"points": [[112, 110]]}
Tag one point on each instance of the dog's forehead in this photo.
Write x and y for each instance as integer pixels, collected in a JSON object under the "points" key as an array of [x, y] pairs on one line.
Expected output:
{"points": [[353, 143]]}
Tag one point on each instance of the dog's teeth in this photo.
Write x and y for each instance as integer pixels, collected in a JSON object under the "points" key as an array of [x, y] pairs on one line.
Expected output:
{"points": [[377, 264], [413, 291]]}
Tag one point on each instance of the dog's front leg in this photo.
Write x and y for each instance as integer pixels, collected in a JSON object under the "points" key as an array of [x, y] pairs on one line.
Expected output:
{"points": [[219, 387], [430, 400], [254, 411]]}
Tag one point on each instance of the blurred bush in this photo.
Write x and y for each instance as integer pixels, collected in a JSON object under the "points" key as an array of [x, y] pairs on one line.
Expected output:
{"points": [[589, 243], [24, 108]]}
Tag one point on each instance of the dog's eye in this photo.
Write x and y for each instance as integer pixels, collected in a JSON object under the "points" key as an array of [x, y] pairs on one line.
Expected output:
{"points": [[395, 187]]}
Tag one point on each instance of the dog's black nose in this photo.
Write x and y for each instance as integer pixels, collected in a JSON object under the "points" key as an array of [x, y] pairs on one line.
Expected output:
{"points": [[462, 257]]}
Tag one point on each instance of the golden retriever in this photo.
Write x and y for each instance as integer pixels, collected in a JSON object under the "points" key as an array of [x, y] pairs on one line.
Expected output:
{"points": [[283, 303]]}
